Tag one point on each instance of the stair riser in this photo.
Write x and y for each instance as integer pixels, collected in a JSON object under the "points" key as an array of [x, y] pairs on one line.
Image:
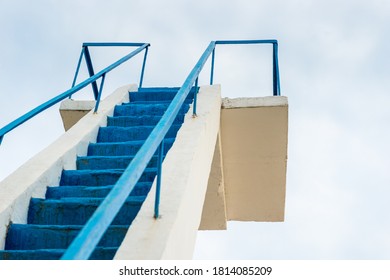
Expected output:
{"points": [[140, 189], [32, 237], [139, 121], [85, 178], [139, 110], [74, 213], [120, 149], [157, 94], [55, 221], [121, 134]]}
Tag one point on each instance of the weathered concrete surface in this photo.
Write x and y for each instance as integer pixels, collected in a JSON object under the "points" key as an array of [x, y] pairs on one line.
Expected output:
{"points": [[214, 208], [254, 148], [248, 177], [73, 110]]}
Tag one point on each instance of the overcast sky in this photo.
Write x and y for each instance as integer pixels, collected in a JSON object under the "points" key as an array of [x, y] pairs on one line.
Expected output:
{"points": [[335, 70]]}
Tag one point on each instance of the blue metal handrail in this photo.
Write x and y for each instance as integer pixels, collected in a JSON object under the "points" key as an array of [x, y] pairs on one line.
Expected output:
{"points": [[91, 80], [88, 238], [276, 79]]}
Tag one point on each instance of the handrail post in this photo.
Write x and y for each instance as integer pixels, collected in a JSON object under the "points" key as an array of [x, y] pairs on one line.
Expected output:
{"points": [[212, 67], [88, 60], [100, 93], [77, 70], [276, 83], [158, 182], [143, 67], [195, 98]]}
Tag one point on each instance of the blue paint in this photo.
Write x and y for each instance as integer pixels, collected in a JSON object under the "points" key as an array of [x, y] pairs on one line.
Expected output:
{"points": [[121, 148], [141, 79], [77, 69], [275, 66], [91, 72], [158, 183], [99, 93], [77, 210], [212, 67], [35, 237]]}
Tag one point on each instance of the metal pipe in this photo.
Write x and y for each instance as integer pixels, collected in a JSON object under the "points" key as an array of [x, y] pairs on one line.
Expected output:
{"points": [[22, 119], [158, 182], [100, 93], [77, 69], [143, 67], [195, 98], [212, 67]]}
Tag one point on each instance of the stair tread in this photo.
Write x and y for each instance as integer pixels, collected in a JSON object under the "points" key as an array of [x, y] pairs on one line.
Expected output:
{"points": [[36, 236], [118, 134], [92, 191], [100, 177], [85, 200], [77, 211]]}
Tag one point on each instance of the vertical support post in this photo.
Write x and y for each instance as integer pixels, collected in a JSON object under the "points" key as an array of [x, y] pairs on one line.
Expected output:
{"points": [[276, 82], [212, 67], [143, 67], [158, 183], [195, 98], [77, 69], [100, 93], [1, 139], [88, 60]]}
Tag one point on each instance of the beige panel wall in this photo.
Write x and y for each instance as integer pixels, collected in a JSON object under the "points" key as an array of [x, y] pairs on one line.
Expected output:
{"points": [[254, 148]]}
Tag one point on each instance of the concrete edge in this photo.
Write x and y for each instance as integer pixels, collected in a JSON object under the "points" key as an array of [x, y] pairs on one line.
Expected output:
{"points": [[250, 102], [82, 105], [44, 169]]}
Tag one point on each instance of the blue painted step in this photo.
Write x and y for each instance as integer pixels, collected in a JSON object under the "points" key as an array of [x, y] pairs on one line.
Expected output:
{"points": [[157, 94], [77, 211], [168, 101], [140, 189], [55, 221], [129, 148], [108, 162], [147, 120], [33, 237], [130, 109], [54, 254], [123, 134], [100, 177]]}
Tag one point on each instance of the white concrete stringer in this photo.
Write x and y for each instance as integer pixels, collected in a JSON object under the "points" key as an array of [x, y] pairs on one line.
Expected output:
{"points": [[44, 169]]}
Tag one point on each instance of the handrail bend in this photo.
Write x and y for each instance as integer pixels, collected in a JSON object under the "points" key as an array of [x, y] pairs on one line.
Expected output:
{"points": [[88, 238], [75, 88], [275, 66]]}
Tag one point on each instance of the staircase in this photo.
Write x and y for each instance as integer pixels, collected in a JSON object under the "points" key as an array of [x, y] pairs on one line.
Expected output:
{"points": [[53, 222]]}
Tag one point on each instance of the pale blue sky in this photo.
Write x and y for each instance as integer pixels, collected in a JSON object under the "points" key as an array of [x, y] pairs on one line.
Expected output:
{"points": [[335, 70]]}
